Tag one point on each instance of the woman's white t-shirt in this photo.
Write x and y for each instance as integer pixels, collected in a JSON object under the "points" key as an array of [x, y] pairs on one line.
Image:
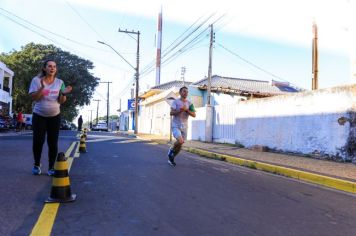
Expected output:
{"points": [[48, 105]]}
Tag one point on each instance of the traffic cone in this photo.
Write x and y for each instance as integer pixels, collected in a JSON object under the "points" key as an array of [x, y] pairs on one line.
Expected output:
{"points": [[60, 191], [82, 146]]}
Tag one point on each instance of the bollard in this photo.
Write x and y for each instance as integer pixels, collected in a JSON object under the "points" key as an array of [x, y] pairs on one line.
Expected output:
{"points": [[82, 146]]}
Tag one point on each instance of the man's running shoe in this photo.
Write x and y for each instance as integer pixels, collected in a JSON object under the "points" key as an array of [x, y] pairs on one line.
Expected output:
{"points": [[50, 172], [171, 157], [171, 162], [36, 170]]}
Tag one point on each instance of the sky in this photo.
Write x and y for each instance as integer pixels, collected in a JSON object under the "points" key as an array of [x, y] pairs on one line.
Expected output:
{"points": [[254, 39]]}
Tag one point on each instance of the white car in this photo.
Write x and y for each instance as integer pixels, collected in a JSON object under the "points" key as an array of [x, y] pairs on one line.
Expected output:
{"points": [[100, 127]]}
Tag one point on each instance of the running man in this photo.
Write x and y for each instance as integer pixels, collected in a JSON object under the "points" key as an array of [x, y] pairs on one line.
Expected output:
{"points": [[181, 109]]}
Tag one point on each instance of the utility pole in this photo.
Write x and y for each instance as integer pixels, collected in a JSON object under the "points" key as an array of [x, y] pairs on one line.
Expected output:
{"points": [[209, 108], [136, 75], [107, 104], [210, 62], [97, 110], [91, 119], [182, 73], [315, 57]]}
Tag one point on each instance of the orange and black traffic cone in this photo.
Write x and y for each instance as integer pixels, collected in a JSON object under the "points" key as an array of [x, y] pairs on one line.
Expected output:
{"points": [[82, 146], [60, 191]]}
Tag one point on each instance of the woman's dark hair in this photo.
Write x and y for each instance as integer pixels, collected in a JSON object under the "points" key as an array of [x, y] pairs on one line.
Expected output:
{"points": [[43, 72]]}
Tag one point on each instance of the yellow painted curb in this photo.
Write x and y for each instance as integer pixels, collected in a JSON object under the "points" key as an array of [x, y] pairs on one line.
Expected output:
{"points": [[339, 184]]}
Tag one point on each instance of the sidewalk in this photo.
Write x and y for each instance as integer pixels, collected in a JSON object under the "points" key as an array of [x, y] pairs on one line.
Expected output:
{"points": [[14, 133], [332, 174]]}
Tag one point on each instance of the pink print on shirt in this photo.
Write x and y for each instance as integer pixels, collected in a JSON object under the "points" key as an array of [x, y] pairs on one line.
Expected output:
{"points": [[45, 92], [48, 92]]}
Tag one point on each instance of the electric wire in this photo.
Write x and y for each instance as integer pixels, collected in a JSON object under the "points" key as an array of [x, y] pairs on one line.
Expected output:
{"points": [[92, 28], [151, 67], [57, 42], [257, 67], [48, 31]]}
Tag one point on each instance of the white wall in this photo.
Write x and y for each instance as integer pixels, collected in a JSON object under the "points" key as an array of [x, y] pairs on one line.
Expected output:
{"points": [[196, 126], [303, 123], [154, 118]]}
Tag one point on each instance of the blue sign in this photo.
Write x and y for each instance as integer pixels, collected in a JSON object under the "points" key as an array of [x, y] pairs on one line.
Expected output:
{"points": [[131, 104]]}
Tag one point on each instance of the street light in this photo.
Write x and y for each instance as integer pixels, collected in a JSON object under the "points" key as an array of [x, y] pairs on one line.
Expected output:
{"points": [[118, 54], [136, 70]]}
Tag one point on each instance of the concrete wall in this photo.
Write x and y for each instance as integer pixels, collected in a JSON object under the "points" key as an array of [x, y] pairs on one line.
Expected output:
{"points": [[305, 123], [155, 119]]}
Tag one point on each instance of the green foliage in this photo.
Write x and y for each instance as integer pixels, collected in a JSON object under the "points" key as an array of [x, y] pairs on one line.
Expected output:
{"points": [[72, 69]]}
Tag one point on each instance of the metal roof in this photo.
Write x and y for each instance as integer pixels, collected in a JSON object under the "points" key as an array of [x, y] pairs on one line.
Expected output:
{"points": [[171, 84], [241, 86]]}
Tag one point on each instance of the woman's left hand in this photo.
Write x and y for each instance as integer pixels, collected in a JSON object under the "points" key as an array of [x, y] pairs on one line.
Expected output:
{"points": [[67, 90]]}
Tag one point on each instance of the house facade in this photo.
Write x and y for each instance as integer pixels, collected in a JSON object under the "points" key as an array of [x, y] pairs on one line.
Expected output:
{"points": [[6, 77], [154, 109], [154, 115], [227, 90]]}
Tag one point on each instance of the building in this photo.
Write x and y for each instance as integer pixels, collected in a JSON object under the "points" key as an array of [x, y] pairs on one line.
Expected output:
{"points": [[155, 103], [227, 90], [6, 76], [154, 115]]}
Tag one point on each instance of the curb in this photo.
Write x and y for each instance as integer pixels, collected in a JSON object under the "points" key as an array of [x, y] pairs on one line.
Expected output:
{"points": [[339, 184]]}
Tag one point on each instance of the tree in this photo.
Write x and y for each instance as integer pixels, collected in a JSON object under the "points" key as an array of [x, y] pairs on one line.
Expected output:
{"points": [[72, 69]]}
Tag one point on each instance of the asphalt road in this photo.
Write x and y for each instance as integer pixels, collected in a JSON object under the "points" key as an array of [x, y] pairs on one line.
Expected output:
{"points": [[125, 186]]}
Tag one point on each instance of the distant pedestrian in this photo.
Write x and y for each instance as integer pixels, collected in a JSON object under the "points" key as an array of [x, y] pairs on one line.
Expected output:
{"points": [[181, 109], [80, 123], [20, 121], [14, 120], [47, 92]]}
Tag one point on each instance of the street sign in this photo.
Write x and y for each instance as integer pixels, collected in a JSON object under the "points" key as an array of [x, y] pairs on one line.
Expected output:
{"points": [[131, 104]]}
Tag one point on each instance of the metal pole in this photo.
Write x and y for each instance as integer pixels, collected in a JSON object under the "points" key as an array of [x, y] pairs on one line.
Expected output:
{"points": [[210, 62], [107, 104], [107, 109], [315, 58], [137, 75], [97, 110], [137, 81], [91, 119]]}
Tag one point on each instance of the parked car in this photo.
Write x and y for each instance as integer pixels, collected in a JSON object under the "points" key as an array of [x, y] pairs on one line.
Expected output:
{"points": [[28, 121], [101, 126], [65, 125], [73, 126], [3, 124]]}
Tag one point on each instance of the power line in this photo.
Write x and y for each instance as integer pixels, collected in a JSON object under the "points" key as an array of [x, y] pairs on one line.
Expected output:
{"points": [[92, 28], [151, 66], [48, 31], [182, 38], [53, 40], [250, 63]]}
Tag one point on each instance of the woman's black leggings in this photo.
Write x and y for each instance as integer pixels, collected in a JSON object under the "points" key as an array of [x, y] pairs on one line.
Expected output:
{"points": [[42, 125]]}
